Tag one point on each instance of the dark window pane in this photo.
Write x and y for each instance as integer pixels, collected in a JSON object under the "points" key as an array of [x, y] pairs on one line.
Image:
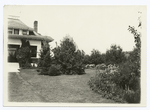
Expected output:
{"points": [[12, 53], [31, 33], [16, 31], [33, 51], [10, 31]]}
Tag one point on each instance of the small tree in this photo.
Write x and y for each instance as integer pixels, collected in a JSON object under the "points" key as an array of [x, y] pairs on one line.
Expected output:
{"points": [[135, 56], [115, 55], [69, 57], [45, 56], [23, 54], [96, 57], [86, 59]]}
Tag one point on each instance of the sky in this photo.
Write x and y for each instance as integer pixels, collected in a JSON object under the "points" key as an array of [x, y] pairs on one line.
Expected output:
{"points": [[91, 27]]}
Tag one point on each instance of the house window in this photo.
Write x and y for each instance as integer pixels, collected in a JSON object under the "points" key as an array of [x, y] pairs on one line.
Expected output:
{"points": [[24, 32], [31, 33], [12, 52], [33, 51], [10, 31], [16, 31]]}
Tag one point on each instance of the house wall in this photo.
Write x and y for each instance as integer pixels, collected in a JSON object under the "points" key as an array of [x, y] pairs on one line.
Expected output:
{"points": [[36, 43], [14, 41], [20, 32]]}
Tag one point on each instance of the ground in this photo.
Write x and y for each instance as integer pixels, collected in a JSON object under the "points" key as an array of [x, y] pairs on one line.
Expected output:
{"points": [[28, 86]]}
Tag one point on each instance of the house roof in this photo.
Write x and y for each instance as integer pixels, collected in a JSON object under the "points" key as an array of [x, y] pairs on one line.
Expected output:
{"points": [[17, 24], [31, 37]]}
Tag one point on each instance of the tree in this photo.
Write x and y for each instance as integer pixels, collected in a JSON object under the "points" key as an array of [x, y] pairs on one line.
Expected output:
{"points": [[95, 57], [69, 57], [45, 59], [23, 54], [135, 56], [115, 55], [86, 59]]}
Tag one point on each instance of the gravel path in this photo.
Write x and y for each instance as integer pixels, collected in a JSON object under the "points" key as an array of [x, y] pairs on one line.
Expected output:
{"points": [[28, 86]]}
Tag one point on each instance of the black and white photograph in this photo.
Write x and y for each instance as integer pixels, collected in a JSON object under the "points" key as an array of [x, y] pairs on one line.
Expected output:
{"points": [[74, 55]]}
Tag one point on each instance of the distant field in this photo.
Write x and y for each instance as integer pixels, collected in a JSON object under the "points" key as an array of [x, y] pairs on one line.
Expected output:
{"points": [[28, 86]]}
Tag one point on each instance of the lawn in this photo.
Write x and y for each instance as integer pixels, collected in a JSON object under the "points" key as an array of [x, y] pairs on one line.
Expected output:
{"points": [[28, 86]]}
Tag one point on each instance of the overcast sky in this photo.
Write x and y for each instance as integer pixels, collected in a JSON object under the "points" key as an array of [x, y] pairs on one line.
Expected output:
{"points": [[92, 27]]}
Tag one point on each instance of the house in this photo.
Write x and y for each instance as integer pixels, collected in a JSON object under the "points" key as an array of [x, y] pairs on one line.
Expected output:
{"points": [[18, 31]]}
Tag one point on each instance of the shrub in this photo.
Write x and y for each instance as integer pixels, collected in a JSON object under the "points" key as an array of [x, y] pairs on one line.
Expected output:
{"points": [[81, 71], [103, 84], [44, 71], [127, 77], [27, 66], [38, 70], [122, 83], [132, 96], [54, 70], [23, 56], [115, 83]]}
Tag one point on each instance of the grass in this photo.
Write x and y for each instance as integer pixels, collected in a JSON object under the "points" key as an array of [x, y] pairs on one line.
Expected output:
{"points": [[28, 86]]}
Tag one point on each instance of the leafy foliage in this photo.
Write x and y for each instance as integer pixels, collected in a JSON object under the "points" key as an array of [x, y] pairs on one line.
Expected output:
{"points": [[115, 55], [86, 59], [54, 70], [45, 56], [135, 57], [132, 96], [105, 83], [120, 83], [112, 84], [23, 54], [95, 57], [69, 57], [45, 59]]}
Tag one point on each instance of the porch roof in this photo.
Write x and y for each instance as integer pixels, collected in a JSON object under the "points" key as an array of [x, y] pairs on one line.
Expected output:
{"points": [[31, 37]]}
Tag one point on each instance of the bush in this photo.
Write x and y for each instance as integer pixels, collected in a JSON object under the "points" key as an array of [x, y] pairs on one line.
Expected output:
{"points": [[103, 84], [122, 83], [23, 57], [26, 66], [115, 83], [44, 71], [127, 77], [132, 96], [54, 70], [79, 70]]}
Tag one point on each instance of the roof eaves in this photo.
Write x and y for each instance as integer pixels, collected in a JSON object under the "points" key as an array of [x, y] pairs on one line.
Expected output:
{"points": [[31, 37]]}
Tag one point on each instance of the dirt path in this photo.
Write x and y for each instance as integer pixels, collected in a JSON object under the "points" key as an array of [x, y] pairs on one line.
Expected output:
{"points": [[28, 86]]}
